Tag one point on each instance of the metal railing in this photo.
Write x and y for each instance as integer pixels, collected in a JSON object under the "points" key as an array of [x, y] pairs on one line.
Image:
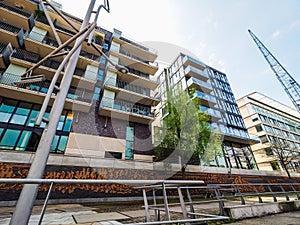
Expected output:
{"points": [[52, 42], [188, 194], [13, 8], [9, 27], [42, 87], [2, 47], [126, 106], [134, 43], [214, 193], [34, 58], [130, 87]]}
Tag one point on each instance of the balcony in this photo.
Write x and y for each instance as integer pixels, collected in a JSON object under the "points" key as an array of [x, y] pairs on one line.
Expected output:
{"points": [[214, 114], [51, 42], [136, 77], [48, 68], [235, 135], [187, 60], [131, 92], [11, 33], [135, 64], [194, 72], [125, 110], [205, 99], [130, 45], [199, 85], [16, 15], [36, 90]]}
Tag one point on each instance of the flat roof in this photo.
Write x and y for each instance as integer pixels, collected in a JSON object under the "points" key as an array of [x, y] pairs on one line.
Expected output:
{"points": [[274, 104]]}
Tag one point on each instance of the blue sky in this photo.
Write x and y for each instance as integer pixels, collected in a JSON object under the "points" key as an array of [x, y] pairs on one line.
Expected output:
{"points": [[216, 32]]}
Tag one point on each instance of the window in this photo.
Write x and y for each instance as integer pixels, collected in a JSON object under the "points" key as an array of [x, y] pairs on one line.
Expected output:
{"points": [[263, 139], [9, 139], [115, 155], [6, 109], [129, 151], [96, 93], [258, 128], [23, 141], [100, 75], [269, 151]]}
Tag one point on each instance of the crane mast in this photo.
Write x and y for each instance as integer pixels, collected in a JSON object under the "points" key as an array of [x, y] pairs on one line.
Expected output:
{"points": [[290, 85]]}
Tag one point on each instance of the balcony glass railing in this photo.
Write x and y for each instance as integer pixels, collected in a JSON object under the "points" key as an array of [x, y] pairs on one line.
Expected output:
{"points": [[131, 87], [188, 58], [209, 111], [9, 27], [198, 82], [13, 8], [43, 86], [197, 71], [126, 106], [204, 96]]}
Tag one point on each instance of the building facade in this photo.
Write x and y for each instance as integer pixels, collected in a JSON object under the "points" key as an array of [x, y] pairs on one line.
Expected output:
{"points": [[106, 114], [272, 121], [217, 100]]}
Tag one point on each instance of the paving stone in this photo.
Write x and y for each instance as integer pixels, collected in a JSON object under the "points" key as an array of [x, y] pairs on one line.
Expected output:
{"points": [[98, 217]]}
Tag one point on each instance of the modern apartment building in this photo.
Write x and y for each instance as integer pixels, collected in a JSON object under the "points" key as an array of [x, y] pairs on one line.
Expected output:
{"points": [[272, 121], [106, 113], [217, 100]]}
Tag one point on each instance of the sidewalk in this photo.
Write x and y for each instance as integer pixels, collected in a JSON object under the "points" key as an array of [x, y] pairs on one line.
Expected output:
{"points": [[84, 215]]}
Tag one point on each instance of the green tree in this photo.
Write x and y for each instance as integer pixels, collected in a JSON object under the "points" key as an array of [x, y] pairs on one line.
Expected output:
{"points": [[185, 134], [284, 154]]}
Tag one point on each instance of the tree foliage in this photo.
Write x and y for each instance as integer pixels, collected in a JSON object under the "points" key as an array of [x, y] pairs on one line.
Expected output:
{"points": [[185, 134]]}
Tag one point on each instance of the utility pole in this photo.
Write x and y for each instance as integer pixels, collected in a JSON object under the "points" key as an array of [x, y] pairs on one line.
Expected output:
{"points": [[29, 192]]}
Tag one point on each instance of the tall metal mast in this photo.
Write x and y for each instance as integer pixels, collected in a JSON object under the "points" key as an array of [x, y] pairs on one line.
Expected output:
{"points": [[291, 87]]}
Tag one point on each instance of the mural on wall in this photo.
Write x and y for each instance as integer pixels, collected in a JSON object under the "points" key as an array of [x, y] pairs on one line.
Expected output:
{"points": [[12, 191]]}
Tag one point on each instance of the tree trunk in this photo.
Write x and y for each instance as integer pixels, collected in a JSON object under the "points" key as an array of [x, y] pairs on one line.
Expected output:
{"points": [[286, 170]]}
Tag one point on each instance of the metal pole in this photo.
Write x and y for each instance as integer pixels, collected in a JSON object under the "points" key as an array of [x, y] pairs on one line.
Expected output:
{"points": [[45, 204], [29, 192]]}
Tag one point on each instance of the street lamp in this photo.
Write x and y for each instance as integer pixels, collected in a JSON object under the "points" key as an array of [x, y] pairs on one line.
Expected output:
{"points": [[29, 192]]}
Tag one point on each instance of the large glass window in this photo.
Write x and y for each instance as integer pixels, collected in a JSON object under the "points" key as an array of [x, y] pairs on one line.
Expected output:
{"points": [[23, 141], [9, 139], [27, 136], [6, 109]]}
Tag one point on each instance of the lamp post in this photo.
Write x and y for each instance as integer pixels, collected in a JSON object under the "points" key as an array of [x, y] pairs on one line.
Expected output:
{"points": [[29, 192]]}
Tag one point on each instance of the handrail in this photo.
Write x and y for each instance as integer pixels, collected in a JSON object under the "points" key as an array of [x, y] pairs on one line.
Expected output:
{"points": [[41, 87], [179, 185]]}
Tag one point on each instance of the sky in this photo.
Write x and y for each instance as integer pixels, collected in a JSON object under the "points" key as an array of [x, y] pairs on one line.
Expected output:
{"points": [[216, 32]]}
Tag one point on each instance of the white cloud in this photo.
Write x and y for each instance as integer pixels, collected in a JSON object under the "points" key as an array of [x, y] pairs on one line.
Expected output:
{"points": [[295, 25], [276, 34]]}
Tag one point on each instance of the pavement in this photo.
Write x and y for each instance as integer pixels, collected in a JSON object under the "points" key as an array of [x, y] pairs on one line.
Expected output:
{"points": [[86, 215]]}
